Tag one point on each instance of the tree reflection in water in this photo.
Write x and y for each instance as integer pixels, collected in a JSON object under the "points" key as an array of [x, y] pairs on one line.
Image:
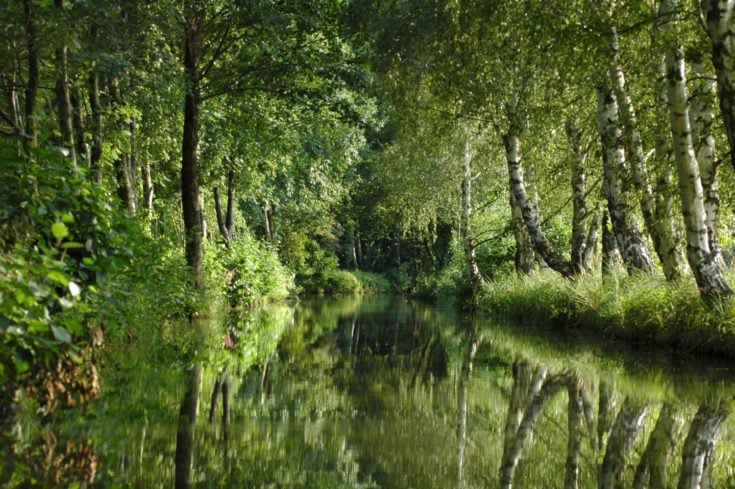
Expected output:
{"points": [[394, 394]]}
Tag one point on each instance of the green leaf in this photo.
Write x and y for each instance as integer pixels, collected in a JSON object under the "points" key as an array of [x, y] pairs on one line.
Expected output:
{"points": [[58, 277], [59, 230], [72, 245], [67, 218], [74, 326], [61, 334], [21, 366]]}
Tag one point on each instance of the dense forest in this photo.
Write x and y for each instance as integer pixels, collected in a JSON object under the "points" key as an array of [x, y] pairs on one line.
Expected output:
{"points": [[169, 161]]}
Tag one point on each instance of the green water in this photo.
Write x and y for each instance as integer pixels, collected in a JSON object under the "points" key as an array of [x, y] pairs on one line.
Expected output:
{"points": [[394, 394]]}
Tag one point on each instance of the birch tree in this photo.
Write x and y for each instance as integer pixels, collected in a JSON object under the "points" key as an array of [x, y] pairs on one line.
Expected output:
{"points": [[711, 282], [720, 25]]}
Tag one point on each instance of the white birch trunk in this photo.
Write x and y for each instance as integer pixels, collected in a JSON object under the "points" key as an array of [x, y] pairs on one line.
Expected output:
{"points": [[464, 226], [712, 285], [634, 146], [629, 240], [525, 258], [580, 213], [702, 120], [721, 30], [541, 244], [673, 262]]}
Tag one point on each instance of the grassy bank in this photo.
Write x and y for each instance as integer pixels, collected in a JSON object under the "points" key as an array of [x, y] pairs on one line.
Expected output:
{"points": [[641, 309]]}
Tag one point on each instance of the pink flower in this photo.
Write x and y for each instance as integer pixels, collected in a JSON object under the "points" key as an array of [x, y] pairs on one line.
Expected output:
{"points": [[228, 341]]}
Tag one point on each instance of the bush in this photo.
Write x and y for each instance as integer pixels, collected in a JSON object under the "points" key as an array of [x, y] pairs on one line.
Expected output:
{"points": [[372, 283], [248, 272], [340, 282]]}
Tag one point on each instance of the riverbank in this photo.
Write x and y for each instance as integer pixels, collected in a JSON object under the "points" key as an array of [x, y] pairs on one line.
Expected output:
{"points": [[637, 310]]}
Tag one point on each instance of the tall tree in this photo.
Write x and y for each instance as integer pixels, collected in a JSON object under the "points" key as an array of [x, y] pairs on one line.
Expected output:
{"points": [[194, 16], [709, 277]]}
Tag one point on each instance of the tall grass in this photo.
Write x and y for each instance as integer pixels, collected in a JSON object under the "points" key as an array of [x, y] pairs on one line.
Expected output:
{"points": [[640, 309]]}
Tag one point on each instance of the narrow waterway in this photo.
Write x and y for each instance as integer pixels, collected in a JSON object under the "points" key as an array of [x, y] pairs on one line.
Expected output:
{"points": [[384, 392]]}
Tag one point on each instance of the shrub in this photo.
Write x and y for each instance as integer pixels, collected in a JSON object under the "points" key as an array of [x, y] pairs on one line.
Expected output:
{"points": [[248, 272]]}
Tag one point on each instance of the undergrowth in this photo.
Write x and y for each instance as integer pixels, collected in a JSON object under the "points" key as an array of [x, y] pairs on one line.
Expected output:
{"points": [[640, 309]]}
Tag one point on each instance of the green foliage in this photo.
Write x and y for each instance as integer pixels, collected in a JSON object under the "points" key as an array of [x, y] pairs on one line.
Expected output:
{"points": [[248, 272]]}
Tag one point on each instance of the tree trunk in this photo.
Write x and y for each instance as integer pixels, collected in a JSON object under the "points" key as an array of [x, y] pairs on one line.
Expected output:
{"points": [[31, 92], [711, 282], [630, 242], [699, 446], [628, 424], [131, 166], [525, 258], [230, 217], [611, 259], [529, 211], [653, 469], [702, 122], [96, 108], [267, 221], [465, 230], [184, 456], [221, 218], [580, 213], [673, 260], [591, 246], [148, 188], [721, 30], [63, 99], [121, 165], [637, 158], [193, 39], [81, 140]]}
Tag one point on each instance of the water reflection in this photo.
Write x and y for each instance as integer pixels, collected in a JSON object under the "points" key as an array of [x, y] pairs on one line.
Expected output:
{"points": [[393, 394]]}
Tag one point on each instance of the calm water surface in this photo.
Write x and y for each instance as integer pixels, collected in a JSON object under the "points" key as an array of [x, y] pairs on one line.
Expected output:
{"points": [[387, 393]]}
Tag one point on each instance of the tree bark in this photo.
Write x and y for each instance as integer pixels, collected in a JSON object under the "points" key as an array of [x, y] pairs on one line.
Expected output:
{"points": [[721, 31], [635, 152], [699, 446], [711, 282], [541, 244], [525, 258], [31, 91], [148, 188], [630, 242], [63, 99], [625, 430], [80, 138], [703, 118], [96, 108], [193, 39], [611, 259], [673, 260], [580, 213], [465, 230]]}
